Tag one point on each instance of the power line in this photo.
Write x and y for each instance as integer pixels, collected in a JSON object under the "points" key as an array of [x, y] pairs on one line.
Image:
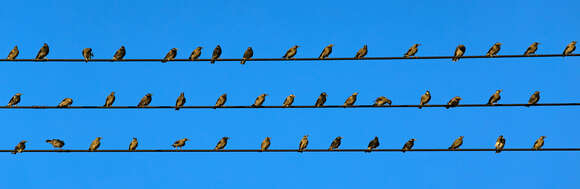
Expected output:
{"points": [[315, 150]]}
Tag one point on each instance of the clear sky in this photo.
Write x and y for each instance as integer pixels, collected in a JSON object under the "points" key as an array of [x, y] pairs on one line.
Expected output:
{"points": [[148, 29]]}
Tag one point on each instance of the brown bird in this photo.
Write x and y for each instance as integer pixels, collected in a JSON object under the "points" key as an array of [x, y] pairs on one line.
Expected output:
{"points": [[221, 100], [13, 53], [170, 55], [265, 144], [288, 101], [321, 100], [453, 102], [499, 144], [87, 54], [408, 145], [534, 98], [539, 143], [361, 52], [56, 143], [133, 144], [291, 52], [532, 49], [145, 101], [259, 100], [381, 101], [303, 144], [567, 51], [326, 52], [119, 54], [14, 100], [95, 144], [459, 51], [457, 143], [494, 49], [494, 98], [65, 103], [42, 53], [373, 144], [425, 98], [180, 101], [412, 51], [19, 147], [179, 144], [217, 52], [335, 143], [195, 54], [222, 143], [110, 100], [350, 100], [247, 55]]}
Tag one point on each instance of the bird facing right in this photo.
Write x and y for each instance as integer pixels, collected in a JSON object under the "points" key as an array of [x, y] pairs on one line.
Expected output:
{"points": [[291, 52], [335, 143], [222, 143], [217, 52], [303, 144], [95, 144], [408, 145], [425, 98], [14, 100], [453, 102], [145, 101], [247, 55], [42, 53], [350, 100], [180, 101], [381, 101], [531, 49], [56, 143], [133, 145], [494, 49], [19, 147], [195, 54], [539, 143], [87, 54], [259, 100], [534, 98], [457, 143], [65, 103], [499, 144], [494, 98], [221, 101], [326, 52], [170, 55], [265, 144], [288, 101], [361, 53], [570, 48], [373, 144], [459, 51], [119, 54], [179, 143], [110, 100], [412, 51], [13, 53], [321, 100]]}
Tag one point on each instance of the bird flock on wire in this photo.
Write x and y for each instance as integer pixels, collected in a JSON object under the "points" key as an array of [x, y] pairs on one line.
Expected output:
{"points": [[350, 101], [87, 53]]}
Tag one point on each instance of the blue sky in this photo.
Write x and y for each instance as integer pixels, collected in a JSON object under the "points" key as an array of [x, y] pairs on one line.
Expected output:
{"points": [[148, 29]]}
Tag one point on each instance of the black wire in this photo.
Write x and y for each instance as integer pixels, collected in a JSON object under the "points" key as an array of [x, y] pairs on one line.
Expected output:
{"points": [[314, 150]]}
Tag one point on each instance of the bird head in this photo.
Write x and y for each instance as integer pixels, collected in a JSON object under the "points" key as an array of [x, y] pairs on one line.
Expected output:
{"points": [[134, 138], [292, 95], [339, 137], [365, 46], [268, 138], [249, 48], [354, 94], [224, 95], [17, 94], [24, 141], [45, 45], [98, 138], [416, 45], [16, 46], [112, 93], [218, 46], [149, 94], [182, 93], [537, 93], [458, 98], [461, 46], [331, 45], [199, 48], [573, 42], [226, 138], [461, 137], [543, 137], [185, 139], [535, 43], [498, 44], [305, 136], [122, 47], [174, 49], [264, 94], [412, 140], [323, 94], [376, 138], [498, 91]]}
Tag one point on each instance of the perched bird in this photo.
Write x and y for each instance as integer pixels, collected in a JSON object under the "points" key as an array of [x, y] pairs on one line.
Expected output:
{"points": [[87, 54], [180, 143], [361, 53], [567, 51], [412, 51], [408, 145], [170, 55], [19, 147], [145, 101], [195, 53], [65, 103], [95, 144], [133, 144], [303, 144], [221, 100], [247, 55], [373, 144], [259, 100], [265, 144], [494, 98], [119, 54], [14, 100], [288, 101], [499, 144], [350, 100], [110, 100], [539, 143], [42, 53], [180, 101], [291, 52], [494, 49], [457, 143], [326, 52], [217, 52], [56, 143], [532, 49], [321, 100], [453, 102], [459, 51], [335, 143], [534, 98], [381, 101], [13, 53], [222, 143], [425, 98]]}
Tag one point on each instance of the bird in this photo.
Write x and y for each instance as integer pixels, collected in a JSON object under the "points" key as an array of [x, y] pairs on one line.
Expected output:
{"points": [[42, 53], [459, 51], [217, 52], [335, 143], [288, 101], [119, 54], [133, 144], [373, 144], [381, 101], [326, 52], [425, 98], [145, 101], [14, 100], [247, 55], [221, 100], [408, 145], [412, 51], [534, 98], [499, 144], [222, 143], [303, 144], [170, 55], [457, 143], [180, 101], [110, 100], [321, 100], [19, 147], [195, 54], [531, 49], [350, 100], [180, 143], [265, 144], [361, 53], [56, 143], [65, 103], [453, 102], [567, 51], [494, 49], [259, 100], [291, 52], [13, 53], [539, 143], [87, 54], [95, 144], [494, 98]]}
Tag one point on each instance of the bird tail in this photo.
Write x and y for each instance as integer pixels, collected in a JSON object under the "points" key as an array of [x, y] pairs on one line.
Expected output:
{"points": [[420, 106], [243, 61], [212, 61], [450, 148], [13, 152], [177, 108], [497, 151], [447, 107], [163, 61], [455, 59]]}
